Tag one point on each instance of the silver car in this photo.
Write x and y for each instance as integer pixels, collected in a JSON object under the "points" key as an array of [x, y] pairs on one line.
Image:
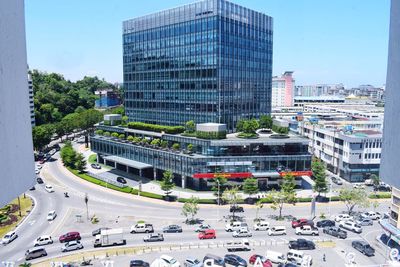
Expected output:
{"points": [[71, 245], [363, 221], [192, 262]]}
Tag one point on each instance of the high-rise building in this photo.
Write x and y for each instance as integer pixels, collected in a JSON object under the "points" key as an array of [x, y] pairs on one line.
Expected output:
{"points": [[208, 61], [31, 104], [283, 90], [391, 142], [16, 149]]}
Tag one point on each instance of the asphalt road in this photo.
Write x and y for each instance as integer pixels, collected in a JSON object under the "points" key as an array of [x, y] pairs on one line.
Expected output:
{"points": [[131, 208]]}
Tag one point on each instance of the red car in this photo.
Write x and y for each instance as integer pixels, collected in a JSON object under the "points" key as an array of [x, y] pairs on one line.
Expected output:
{"points": [[301, 222], [70, 236], [207, 234], [260, 259]]}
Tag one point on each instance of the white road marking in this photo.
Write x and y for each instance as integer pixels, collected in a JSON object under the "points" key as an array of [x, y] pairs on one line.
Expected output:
{"points": [[31, 222]]}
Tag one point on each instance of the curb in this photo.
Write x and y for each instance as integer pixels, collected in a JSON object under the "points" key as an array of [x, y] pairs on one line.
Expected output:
{"points": [[34, 204]]}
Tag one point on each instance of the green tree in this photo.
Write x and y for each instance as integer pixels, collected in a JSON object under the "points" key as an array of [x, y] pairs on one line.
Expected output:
{"points": [[156, 142], [250, 186], [279, 198], [288, 184], [190, 126], [121, 136], [190, 208], [164, 143], [25, 264], [319, 173], [250, 126], [80, 162], [353, 197], [88, 119], [259, 206], [190, 147], [232, 197], [125, 119], [167, 183], [42, 136], [266, 121], [68, 155], [239, 125], [221, 181], [375, 179], [114, 134], [176, 146], [130, 138]]}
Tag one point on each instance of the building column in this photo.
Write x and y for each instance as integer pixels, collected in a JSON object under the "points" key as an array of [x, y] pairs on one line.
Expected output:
{"points": [[97, 158], [140, 173], [127, 168], [183, 181], [155, 173]]}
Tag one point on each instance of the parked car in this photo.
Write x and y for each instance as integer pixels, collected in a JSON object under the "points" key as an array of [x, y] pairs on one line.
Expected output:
{"points": [[351, 226], [71, 245], [277, 230], [301, 244], [235, 260], [173, 228], [217, 261], [275, 256], [95, 166], [336, 180], [142, 228], [154, 237], [298, 257], [307, 230], [301, 222], [207, 234], [98, 231], [43, 240], [383, 188], [39, 180], [335, 231], [34, 253], [70, 236], [364, 221], [49, 188], [260, 259], [192, 262], [325, 223], [51, 215], [138, 263], [121, 180], [235, 225], [343, 217], [9, 237], [170, 261], [261, 226], [358, 186], [369, 182], [363, 247], [372, 215], [243, 232], [235, 208], [32, 188], [202, 227]]}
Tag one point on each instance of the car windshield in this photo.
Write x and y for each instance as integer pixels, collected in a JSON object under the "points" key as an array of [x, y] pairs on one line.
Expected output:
{"points": [[196, 261], [172, 261], [7, 236]]}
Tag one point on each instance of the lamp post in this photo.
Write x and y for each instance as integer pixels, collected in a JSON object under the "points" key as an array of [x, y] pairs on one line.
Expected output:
{"points": [[87, 208], [218, 198]]}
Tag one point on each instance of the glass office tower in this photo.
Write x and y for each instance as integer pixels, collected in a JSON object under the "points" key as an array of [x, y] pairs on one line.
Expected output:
{"points": [[209, 61]]}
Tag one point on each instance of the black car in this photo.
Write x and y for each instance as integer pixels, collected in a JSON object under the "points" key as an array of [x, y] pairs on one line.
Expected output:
{"points": [[335, 231], [235, 260], [236, 209], [32, 188], [363, 247], [98, 231], [383, 188], [138, 263], [121, 180], [39, 180], [172, 229], [288, 264], [301, 244], [325, 223]]}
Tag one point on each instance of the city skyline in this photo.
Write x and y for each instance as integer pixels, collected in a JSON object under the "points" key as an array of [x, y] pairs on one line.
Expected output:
{"points": [[300, 44]]}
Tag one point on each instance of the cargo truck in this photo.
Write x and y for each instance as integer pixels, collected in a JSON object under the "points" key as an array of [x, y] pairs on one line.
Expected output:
{"points": [[110, 237]]}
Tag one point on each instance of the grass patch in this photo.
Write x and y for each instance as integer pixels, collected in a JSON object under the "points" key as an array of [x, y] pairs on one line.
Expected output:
{"points": [[200, 201], [247, 135], [380, 195], [26, 205]]}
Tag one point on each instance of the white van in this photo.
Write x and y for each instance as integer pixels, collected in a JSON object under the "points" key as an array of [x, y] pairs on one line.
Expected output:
{"points": [[277, 230], [275, 257], [235, 226], [295, 255], [261, 226], [243, 245]]}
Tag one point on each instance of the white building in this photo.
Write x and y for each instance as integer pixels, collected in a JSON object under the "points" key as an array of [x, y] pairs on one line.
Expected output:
{"points": [[16, 148], [31, 104]]}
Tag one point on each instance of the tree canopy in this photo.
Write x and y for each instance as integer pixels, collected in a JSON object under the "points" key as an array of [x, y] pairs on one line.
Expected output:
{"points": [[318, 169]]}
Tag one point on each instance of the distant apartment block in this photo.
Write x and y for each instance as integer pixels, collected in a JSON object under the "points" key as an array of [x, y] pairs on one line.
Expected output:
{"points": [[31, 103], [319, 90], [16, 149], [303, 100], [107, 98], [283, 90]]}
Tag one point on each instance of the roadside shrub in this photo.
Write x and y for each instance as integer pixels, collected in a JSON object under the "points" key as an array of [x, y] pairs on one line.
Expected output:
{"points": [[121, 136], [211, 135], [130, 138], [106, 134], [380, 195], [156, 127], [114, 135], [99, 132]]}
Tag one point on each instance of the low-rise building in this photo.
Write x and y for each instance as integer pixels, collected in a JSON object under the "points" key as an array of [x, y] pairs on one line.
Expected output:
{"points": [[107, 98]]}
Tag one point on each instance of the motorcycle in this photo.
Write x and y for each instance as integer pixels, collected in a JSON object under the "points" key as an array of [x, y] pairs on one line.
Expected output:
{"points": [[66, 194]]}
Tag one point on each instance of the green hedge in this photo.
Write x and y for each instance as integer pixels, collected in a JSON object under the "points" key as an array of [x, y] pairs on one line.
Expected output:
{"points": [[247, 135], [281, 130], [147, 194], [211, 135], [200, 201], [380, 195], [156, 128]]}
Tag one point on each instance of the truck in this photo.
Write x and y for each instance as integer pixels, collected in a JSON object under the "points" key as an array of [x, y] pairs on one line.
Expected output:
{"points": [[307, 230], [240, 245], [301, 244], [110, 237]]}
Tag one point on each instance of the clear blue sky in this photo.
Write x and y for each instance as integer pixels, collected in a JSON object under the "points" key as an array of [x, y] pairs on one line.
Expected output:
{"points": [[322, 41]]}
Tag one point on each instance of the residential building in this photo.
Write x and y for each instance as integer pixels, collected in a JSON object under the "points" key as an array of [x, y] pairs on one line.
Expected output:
{"points": [[366, 111], [391, 141], [303, 100], [16, 149], [208, 61], [31, 104], [107, 98], [283, 90], [319, 90]]}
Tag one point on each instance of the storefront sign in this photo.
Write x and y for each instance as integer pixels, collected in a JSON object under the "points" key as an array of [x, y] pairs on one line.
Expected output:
{"points": [[225, 175], [299, 173]]}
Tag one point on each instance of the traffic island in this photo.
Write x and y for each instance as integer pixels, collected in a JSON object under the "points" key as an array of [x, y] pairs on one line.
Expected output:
{"points": [[10, 216]]}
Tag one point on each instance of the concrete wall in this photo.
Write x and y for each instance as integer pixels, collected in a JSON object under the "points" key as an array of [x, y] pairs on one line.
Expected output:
{"points": [[16, 152], [390, 163]]}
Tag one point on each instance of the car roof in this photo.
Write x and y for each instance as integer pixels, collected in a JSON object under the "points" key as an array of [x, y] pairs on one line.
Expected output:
{"points": [[167, 257]]}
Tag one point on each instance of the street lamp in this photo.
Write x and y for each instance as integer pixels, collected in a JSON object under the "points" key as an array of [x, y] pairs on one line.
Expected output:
{"points": [[218, 198], [87, 208]]}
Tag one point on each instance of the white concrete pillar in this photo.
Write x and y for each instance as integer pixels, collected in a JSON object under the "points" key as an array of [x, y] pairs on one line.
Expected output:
{"points": [[141, 173], [154, 174], [183, 181]]}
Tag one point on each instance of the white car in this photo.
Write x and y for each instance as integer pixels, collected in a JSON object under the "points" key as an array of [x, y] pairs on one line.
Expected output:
{"points": [[358, 186], [167, 261], [372, 215], [49, 188], [51, 215], [37, 171], [9, 237], [43, 240], [261, 226], [343, 217], [71, 245], [202, 227], [351, 226], [244, 232]]}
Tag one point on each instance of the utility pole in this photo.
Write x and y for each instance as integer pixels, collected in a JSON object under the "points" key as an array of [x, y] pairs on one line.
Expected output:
{"points": [[19, 207], [87, 208], [218, 200]]}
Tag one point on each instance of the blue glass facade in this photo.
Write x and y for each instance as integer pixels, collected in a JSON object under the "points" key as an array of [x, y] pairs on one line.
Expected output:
{"points": [[210, 61]]}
